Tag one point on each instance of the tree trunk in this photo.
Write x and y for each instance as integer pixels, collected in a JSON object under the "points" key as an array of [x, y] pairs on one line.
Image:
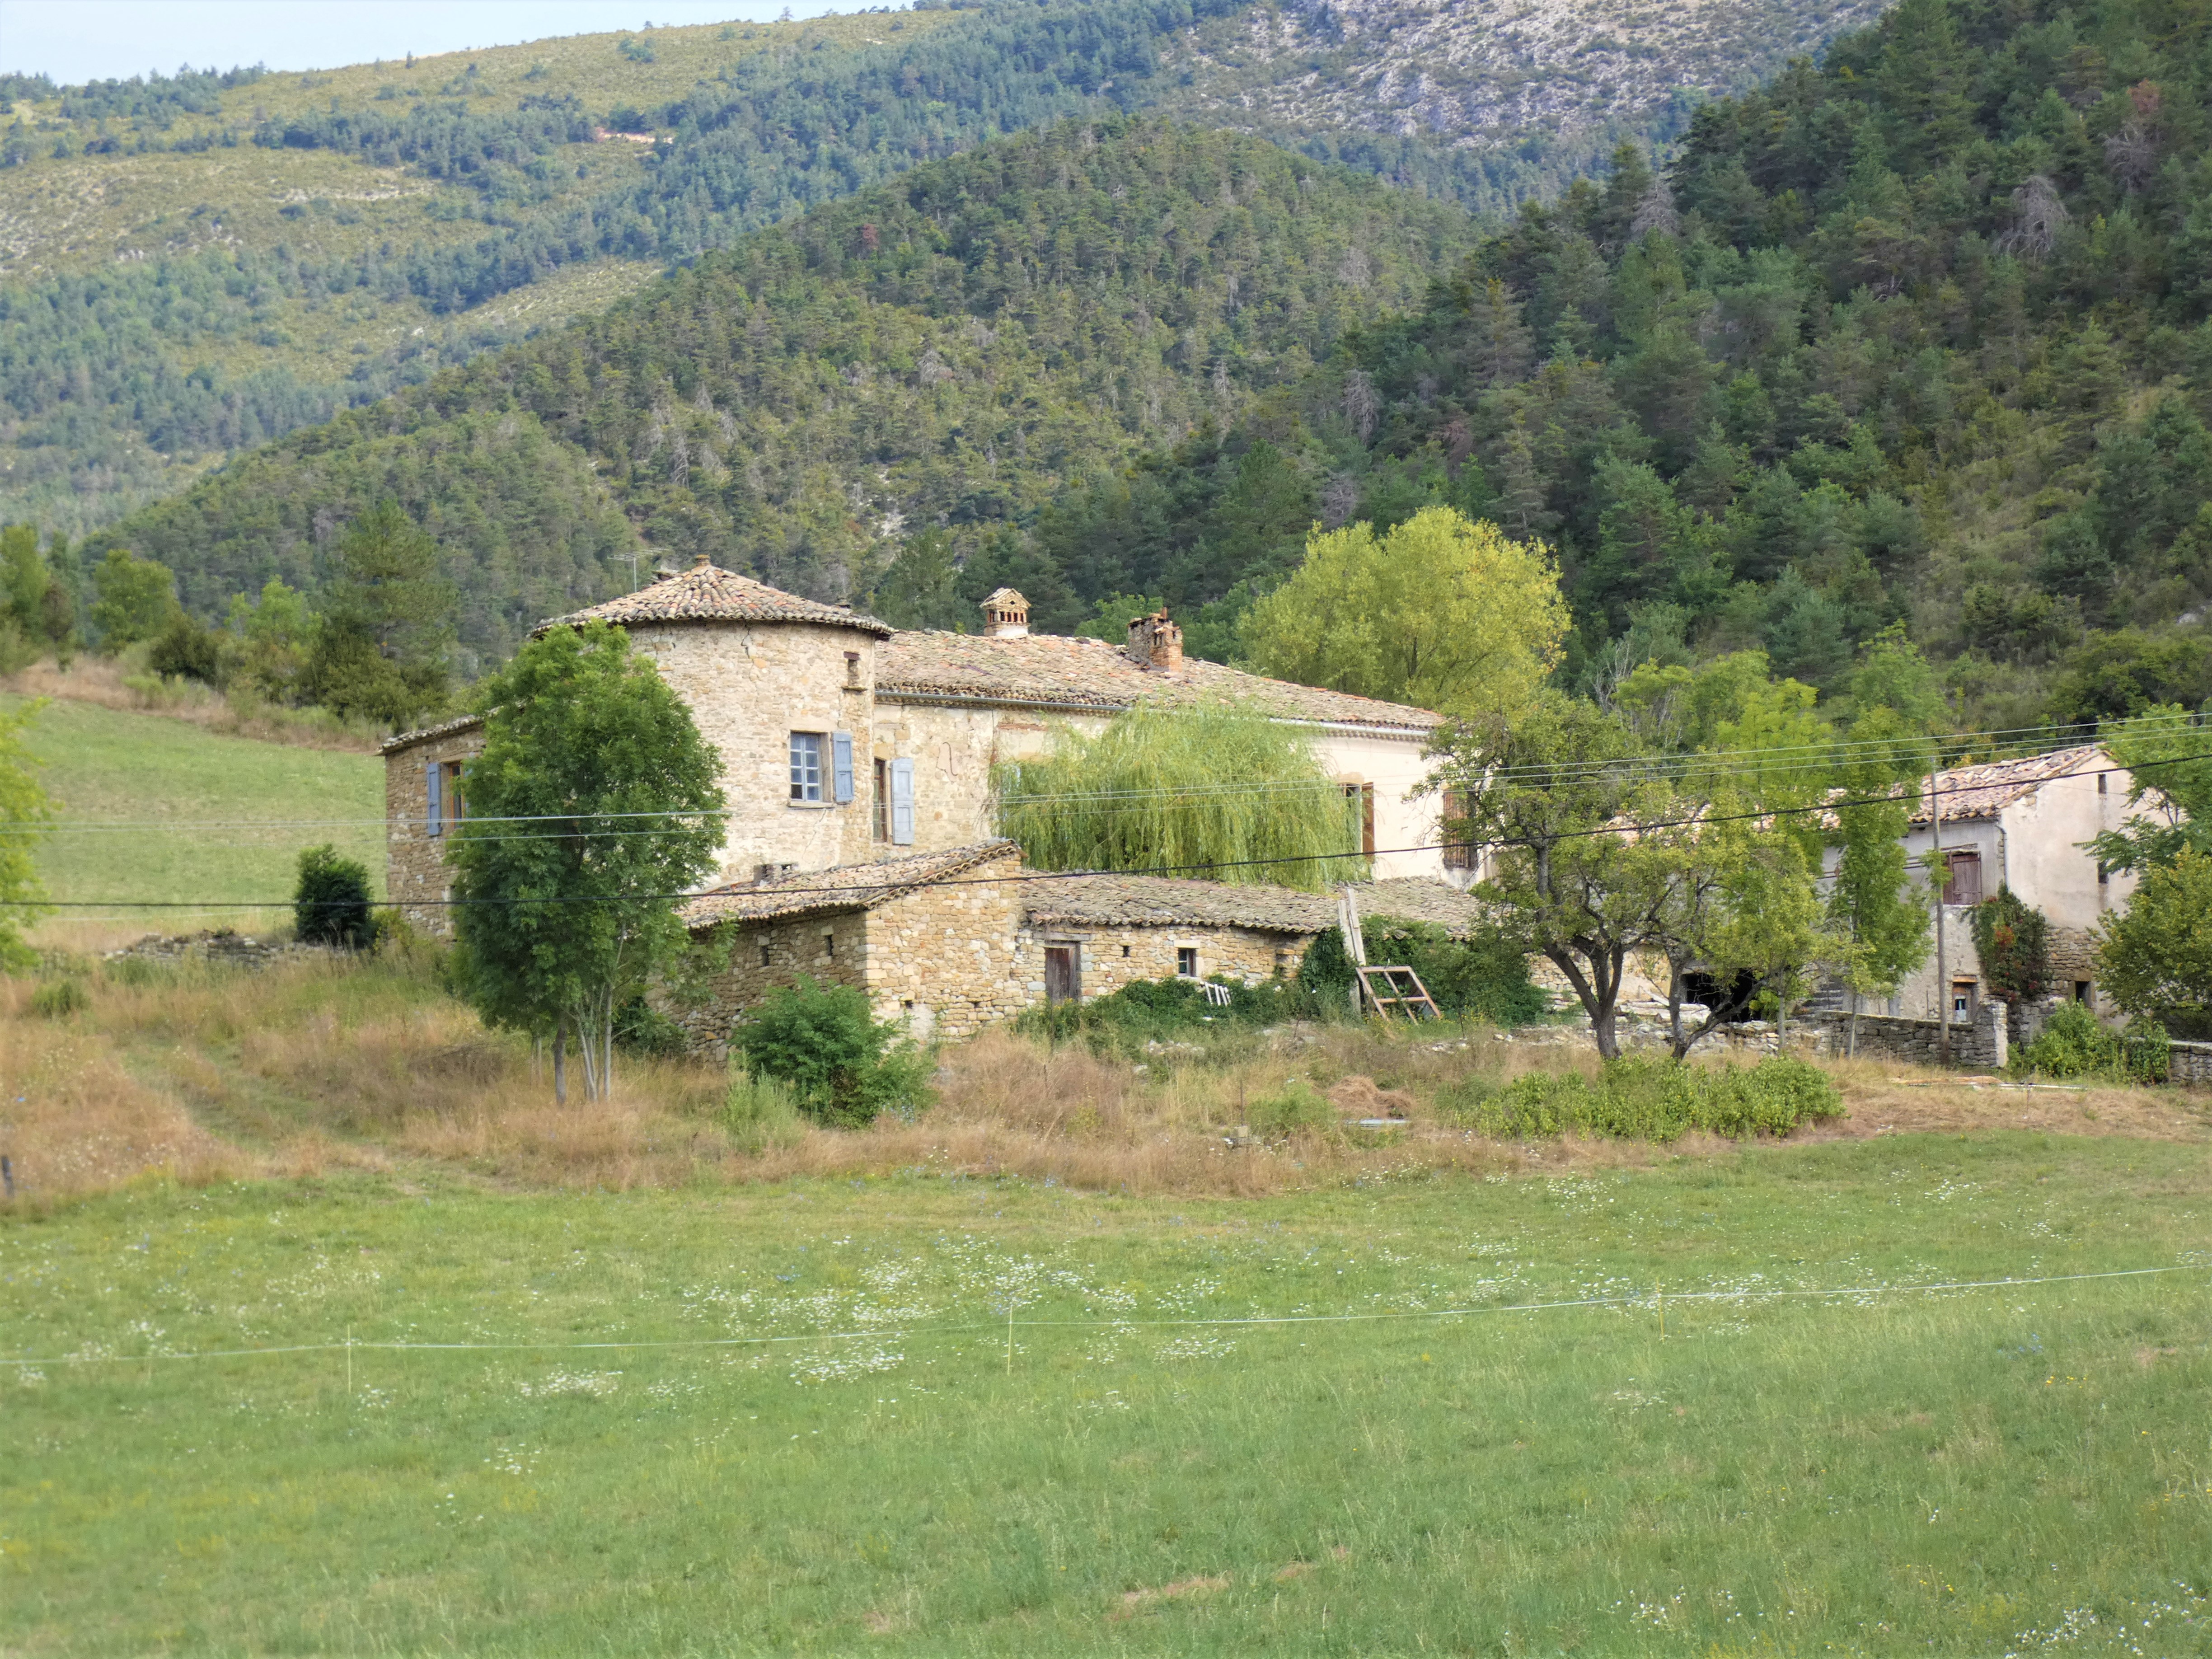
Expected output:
{"points": [[560, 1060], [1851, 1047]]}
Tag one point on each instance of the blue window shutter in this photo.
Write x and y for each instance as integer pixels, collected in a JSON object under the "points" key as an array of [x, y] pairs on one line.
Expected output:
{"points": [[842, 757], [902, 803], [434, 775]]}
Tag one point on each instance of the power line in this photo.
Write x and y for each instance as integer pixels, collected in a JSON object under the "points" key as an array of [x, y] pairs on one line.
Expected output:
{"points": [[862, 892], [1859, 1292]]}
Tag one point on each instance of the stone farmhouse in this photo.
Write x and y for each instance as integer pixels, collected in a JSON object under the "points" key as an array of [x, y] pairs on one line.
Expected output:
{"points": [[2019, 823], [860, 845]]}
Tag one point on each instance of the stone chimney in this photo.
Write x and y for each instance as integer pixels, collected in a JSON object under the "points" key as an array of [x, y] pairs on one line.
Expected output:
{"points": [[1007, 616], [1155, 642]]}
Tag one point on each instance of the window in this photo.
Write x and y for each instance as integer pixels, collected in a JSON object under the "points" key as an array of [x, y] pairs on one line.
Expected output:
{"points": [[1363, 797], [442, 779], [806, 765], [1962, 1001], [1187, 961], [829, 944], [883, 817], [853, 668], [1125, 953], [764, 956], [1458, 854], [1965, 886]]}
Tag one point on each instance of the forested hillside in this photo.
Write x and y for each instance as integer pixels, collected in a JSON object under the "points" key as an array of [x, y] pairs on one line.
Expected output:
{"points": [[1919, 336], [194, 264], [954, 349]]}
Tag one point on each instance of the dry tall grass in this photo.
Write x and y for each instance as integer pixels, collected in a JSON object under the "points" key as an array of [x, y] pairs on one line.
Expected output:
{"points": [[124, 683], [206, 1073]]}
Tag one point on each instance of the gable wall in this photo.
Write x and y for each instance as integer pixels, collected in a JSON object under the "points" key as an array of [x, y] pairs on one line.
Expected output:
{"points": [[416, 875]]}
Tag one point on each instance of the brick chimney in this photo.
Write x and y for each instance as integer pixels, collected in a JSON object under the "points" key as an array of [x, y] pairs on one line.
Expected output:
{"points": [[1155, 642], [1007, 616]]}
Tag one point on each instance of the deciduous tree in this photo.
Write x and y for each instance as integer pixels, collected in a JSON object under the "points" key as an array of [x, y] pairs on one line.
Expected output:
{"points": [[1438, 611], [593, 805]]}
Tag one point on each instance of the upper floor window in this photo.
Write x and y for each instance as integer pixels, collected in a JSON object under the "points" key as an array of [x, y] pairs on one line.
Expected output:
{"points": [[1965, 885], [1459, 852], [442, 781], [806, 748]]}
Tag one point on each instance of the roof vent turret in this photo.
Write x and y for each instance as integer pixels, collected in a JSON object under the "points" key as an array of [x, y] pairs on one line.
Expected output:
{"points": [[1007, 616]]}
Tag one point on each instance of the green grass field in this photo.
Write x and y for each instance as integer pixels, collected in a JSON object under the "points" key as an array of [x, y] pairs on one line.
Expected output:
{"points": [[195, 816], [793, 1418]]}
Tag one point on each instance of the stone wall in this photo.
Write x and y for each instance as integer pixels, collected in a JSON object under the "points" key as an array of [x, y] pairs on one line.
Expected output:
{"points": [[2192, 1063], [221, 948], [750, 686], [941, 960], [1983, 1046], [416, 875], [1115, 956]]}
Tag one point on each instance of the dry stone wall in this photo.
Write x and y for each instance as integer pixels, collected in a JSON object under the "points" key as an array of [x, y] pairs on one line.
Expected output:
{"points": [[1983, 1046]]}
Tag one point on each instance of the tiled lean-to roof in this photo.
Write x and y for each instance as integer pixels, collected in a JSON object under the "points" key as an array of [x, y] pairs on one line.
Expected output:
{"points": [[1983, 791], [707, 592], [1112, 900], [1056, 671], [848, 887], [392, 745]]}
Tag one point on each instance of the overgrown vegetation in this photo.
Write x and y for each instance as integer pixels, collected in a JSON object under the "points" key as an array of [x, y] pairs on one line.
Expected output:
{"points": [[1482, 978], [2075, 1043], [1649, 1098], [330, 904]]}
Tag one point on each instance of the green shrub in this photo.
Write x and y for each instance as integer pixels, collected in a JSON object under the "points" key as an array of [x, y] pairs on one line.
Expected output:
{"points": [[1168, 1010], [186, 651], [761, 1112], [58, 999], [642, 1028], [1298, 1109], [844, 1068], [1649, 1098], [1481, 978], [331, 905], [2075, 1042]]}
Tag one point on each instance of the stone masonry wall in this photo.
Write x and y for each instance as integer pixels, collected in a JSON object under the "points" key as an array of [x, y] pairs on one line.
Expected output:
{"points": [[1115, 956], [416, 876], [768, 957], [1982, 1046], [750, 686]]}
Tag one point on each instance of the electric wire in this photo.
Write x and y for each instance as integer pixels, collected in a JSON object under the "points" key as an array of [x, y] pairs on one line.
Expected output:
{"points": [[859, 892]]}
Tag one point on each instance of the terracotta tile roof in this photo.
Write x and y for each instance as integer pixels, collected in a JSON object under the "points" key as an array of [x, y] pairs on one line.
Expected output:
{"points": [[848, 887], [445, 729], [1114, 900], [1983, 791], [1082, 673], [1118, 901], [1413, 899], [708, 593]]}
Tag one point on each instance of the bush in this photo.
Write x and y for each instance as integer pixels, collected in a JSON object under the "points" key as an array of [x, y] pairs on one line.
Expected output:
{"points": [[1481, 978], [1649, 1098], [843, 1067], [1299, 1109], [643, 1029], [2075, 1042], [2012, 941], [186, 651], [59, 999], [331, 905], [1168, 1010]]}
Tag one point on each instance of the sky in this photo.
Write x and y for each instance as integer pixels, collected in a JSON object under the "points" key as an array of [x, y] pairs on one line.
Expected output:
{"points": [[78, 41]]}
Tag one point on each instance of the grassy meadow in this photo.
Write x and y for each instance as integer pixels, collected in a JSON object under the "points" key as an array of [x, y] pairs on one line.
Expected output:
{"points": [[793, 1416], [177, 795], [327, 1332]]}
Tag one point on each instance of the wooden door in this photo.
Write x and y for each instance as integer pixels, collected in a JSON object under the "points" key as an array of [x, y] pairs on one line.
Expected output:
{"points": [[1063, 974]]}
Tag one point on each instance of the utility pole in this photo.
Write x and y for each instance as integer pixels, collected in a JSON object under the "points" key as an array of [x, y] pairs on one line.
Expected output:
{"points": [[1942, 970]]}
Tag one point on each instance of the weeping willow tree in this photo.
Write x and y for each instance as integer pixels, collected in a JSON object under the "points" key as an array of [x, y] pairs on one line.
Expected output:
{"points": [[1214, 792]]}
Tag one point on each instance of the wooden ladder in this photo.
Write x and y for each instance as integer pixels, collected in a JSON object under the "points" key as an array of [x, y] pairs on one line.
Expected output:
{"points": [[1401, 990]]}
